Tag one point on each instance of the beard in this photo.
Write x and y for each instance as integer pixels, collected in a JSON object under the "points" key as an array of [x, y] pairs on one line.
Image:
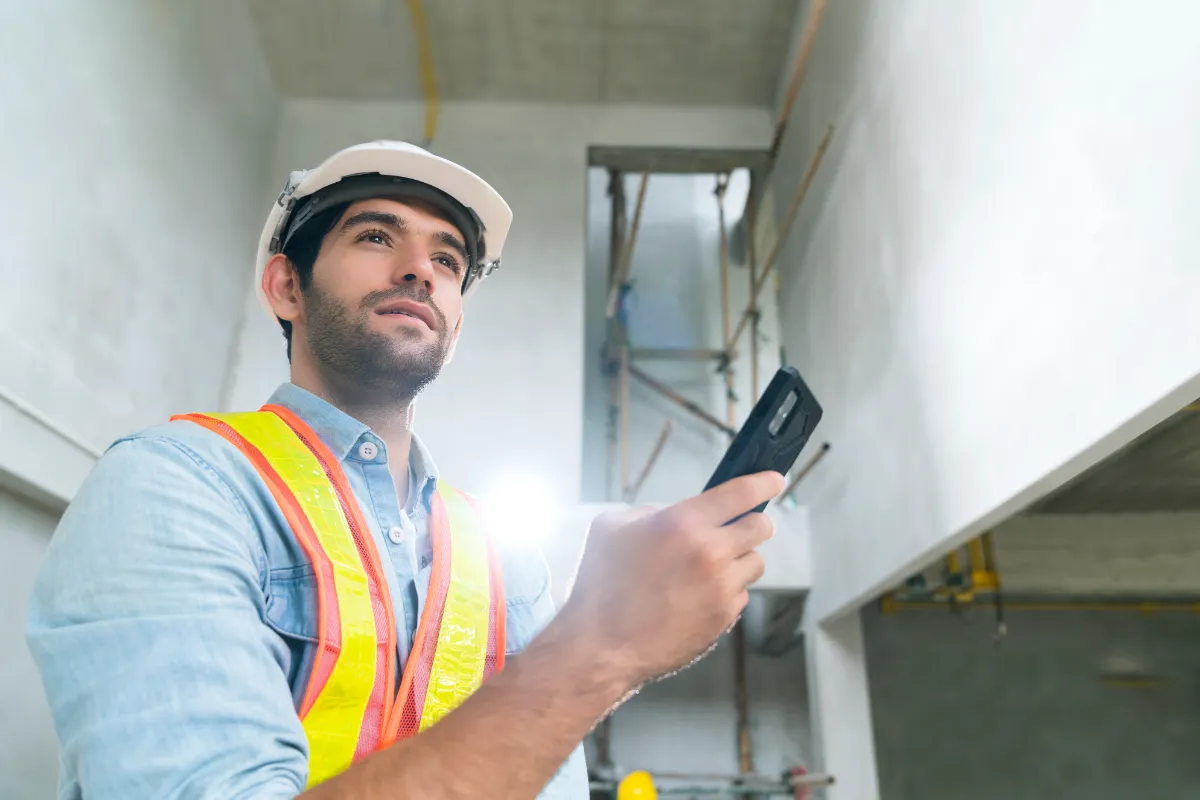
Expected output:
{"points": [[397, 366]]}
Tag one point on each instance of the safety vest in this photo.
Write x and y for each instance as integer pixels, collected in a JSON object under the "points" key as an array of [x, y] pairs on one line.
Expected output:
{"points": [[351, 707]]}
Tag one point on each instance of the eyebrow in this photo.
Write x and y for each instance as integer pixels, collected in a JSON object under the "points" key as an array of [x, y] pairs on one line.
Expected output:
{"points": [[397, 223]]}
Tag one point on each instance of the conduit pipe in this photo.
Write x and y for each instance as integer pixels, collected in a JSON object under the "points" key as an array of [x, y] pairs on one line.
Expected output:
{"points": [[425, 60], [27, 409]]}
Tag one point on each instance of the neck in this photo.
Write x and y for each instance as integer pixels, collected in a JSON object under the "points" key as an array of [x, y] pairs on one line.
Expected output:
{"points": [[389, 417]]}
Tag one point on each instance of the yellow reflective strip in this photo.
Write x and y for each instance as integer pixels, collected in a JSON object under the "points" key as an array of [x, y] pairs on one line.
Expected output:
{"points": [[335, 719], [463, 635]]}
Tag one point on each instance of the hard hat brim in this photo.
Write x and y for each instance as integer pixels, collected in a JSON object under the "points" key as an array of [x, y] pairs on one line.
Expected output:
{"points": [[402, 160]]}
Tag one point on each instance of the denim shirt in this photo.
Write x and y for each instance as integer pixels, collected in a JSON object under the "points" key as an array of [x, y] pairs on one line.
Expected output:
{"points": [[174, 617]]}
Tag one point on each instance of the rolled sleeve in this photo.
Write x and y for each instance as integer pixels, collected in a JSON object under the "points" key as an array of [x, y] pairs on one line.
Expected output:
{"points": [[146, 625], [530, 609]]}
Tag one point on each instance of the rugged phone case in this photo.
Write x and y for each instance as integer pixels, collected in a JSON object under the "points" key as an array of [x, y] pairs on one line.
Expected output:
{"points": [[776, 431]]}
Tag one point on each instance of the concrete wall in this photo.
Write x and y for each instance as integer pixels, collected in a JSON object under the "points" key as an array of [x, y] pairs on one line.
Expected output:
{"points": [[134, 140], [1135, 555], [992, 283], [512, 399], [28, 748], [135, 136], [956, 716], [1138, 556]]}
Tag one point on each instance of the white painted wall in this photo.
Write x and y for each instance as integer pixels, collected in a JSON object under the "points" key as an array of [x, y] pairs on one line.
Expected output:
{"points": [[134, 140], [28, 748], [513, 397], [993, 283], [135, 136]]}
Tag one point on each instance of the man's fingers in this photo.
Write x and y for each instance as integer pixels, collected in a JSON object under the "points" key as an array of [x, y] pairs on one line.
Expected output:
{"points": [[747, 569], [746, 534], [726, 501]]}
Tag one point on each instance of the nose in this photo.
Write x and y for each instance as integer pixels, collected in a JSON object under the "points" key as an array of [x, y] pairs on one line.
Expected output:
{"points": [[414, 266]]}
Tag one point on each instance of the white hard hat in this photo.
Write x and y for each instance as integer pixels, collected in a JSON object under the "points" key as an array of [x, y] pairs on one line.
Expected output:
{"points": [[380, 169]]}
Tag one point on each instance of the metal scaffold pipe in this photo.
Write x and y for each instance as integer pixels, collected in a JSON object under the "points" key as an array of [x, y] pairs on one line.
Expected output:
{"points": [[769, 263]]}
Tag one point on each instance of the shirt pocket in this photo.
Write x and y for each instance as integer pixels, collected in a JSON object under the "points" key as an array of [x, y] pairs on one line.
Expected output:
{"points": [[292, 602], [292, 613]]}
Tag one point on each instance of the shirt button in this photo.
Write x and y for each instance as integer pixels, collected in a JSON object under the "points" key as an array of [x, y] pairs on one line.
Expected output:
{"points": [[396, 534], [367, 451]]}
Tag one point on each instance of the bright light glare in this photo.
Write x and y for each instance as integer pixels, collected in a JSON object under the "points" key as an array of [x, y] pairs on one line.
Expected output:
{"points": [[521, 508]]}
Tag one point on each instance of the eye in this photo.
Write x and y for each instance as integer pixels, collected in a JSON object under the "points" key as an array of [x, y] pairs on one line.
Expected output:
{"points": [[374, 236], [448, 261]]}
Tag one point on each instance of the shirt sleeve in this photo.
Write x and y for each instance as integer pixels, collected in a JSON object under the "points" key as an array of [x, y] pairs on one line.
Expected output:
{"points": [[146, 625], [570, 782]]}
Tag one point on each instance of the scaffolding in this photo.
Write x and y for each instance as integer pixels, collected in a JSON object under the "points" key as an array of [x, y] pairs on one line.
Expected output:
{"points": [[619, 352]]}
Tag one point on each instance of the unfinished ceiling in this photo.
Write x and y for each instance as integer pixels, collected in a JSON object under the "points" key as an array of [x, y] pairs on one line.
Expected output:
{"points": [[676, 52], [1158, 471]]}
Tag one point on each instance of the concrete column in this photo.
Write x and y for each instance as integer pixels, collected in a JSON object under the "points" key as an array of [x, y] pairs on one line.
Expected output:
{"points": [[839, 701]]}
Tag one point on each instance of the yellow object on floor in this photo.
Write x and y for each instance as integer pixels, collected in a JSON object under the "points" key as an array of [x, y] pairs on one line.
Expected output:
{"points": [[637, 786]]}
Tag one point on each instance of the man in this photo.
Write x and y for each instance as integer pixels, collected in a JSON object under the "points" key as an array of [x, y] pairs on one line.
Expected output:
{"points": [[290, 601]]}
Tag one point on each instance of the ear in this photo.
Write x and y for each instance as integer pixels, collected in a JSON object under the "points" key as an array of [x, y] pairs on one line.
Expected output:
{"points": [[281, 286], [453, 341]]}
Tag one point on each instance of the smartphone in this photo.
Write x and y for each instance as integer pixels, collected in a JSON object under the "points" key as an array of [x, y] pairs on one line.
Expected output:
{"points": [[776, 431]]}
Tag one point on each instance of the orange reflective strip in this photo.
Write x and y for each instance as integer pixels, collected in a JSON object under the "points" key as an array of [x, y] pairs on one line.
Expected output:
{"points": [[410, 700], [497, 632], [380, 705], [499, 609], [329, 639], [462, 644], [460, 639], [351, 694]]}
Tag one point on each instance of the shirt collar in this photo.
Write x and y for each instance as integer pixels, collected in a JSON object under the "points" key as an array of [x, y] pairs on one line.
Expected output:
{"points": [[345, 436]]}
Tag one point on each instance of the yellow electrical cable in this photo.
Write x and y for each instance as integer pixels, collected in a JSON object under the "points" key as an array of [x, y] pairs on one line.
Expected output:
{"points": [[428, 82]]}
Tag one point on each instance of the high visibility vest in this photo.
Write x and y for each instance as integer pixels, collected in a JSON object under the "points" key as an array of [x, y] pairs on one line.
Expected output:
{"points": [[351, 707]]}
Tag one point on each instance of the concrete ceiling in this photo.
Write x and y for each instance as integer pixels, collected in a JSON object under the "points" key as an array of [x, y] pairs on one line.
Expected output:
{"points": [[1158, 471], [678, 52]]}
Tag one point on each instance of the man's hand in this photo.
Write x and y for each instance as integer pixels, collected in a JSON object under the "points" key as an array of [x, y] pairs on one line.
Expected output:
{"points": [[656, 588]]}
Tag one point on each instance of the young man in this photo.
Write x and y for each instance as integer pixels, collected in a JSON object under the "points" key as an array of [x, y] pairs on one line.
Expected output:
{"points": [[285, 602]]}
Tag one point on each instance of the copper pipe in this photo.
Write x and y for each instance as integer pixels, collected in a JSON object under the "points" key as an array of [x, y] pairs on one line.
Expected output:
{"points": [[602, 737], [807, 468], [680, 400], [624, 415], [769, 263], [751, 217], [616, 190], [799, 67], [742, 701], [680, 353], [723, 246], [633, 491], [614, 289]]}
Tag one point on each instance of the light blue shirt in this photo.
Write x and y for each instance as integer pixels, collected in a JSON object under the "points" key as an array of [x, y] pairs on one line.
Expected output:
{"points": [[174, 617]]}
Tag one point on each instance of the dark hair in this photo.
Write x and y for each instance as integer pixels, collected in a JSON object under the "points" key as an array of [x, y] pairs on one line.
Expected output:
{"points": [[302, 250]]}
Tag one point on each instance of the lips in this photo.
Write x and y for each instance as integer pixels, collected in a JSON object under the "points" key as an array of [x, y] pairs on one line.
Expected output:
{"points": [[409, 308]]}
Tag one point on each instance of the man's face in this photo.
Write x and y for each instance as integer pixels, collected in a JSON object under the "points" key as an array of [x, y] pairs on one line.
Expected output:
{"points": [[385, 298]]}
